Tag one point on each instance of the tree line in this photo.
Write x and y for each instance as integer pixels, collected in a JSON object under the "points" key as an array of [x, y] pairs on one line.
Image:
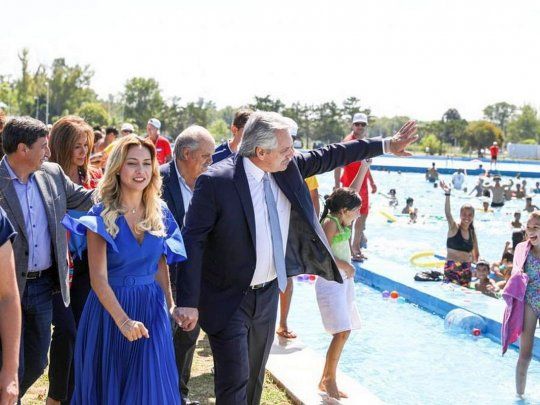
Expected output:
{"points": [[49, 92]]}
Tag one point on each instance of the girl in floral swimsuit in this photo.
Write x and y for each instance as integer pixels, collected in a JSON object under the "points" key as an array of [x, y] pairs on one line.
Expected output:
{"points": [[532, 301]]}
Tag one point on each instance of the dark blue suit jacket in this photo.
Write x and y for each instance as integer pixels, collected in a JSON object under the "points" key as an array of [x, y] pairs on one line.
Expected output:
{"points": [[220, 230], [172, 195]]}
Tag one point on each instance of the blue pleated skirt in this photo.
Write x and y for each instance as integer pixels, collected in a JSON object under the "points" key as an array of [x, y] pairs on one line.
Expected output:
{"points": [[109, 369]]}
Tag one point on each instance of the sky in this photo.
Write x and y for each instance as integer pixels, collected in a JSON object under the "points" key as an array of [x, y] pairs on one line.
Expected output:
{"points": [[410, 57]]}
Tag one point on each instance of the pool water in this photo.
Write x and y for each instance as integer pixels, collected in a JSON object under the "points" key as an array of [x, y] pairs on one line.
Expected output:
{"points": [[402, 353], [400, 240]]}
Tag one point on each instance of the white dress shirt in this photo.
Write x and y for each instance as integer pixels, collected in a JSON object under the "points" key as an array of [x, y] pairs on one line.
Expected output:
{"points": [[187, 193], [265, 269]]}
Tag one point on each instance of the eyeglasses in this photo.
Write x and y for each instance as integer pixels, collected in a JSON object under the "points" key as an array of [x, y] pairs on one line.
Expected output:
{"points": [[360, 124]]}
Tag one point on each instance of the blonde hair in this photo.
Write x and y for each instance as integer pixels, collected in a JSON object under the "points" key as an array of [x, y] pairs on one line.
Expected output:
{"points": [[535, 214], [109, 189]]}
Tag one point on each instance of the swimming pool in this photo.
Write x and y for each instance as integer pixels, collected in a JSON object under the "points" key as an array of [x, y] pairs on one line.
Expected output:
{"points": [[447, 165], [404, 356], [402, 353], [399, 240]]}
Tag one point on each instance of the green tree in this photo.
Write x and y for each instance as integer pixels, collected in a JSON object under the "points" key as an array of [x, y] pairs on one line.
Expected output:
{"points": [[143, 100], [172, 118], [525, 126], [95, 114], [69, 88], [453, 126], [500, 114], [219, 130], [432, 144], [8, 96], [385, 126], [25, 88], [350, 106], [200, 113], [328, 123], [480, 134], [267, 103]]}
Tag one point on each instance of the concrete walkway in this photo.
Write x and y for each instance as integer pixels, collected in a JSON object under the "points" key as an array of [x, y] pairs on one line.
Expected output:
{"points": [[297, 369]]}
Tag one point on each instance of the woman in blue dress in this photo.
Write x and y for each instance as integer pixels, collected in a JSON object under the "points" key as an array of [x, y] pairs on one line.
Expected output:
{"points": [[124, 352]]}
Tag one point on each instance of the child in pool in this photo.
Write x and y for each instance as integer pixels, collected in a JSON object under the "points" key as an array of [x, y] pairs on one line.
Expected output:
{"points": [[408, 205], [484, 284], [391, 196], [529, 207], [337, 300], [516, 223], [536, 190], [530, 266], [519, 193]]}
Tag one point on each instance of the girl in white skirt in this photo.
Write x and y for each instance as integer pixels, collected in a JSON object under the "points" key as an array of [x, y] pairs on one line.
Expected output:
{"points": [[336, 300]]}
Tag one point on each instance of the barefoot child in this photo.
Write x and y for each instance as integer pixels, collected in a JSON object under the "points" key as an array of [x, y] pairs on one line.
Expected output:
{"points": [[336, 301]]}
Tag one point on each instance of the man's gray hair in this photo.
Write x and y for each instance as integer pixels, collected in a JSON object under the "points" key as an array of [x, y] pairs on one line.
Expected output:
{"points": [[259, 131], [189, 138]]}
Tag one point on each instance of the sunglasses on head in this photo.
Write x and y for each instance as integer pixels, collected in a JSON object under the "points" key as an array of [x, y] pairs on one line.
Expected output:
{"points": [[359, 124]]}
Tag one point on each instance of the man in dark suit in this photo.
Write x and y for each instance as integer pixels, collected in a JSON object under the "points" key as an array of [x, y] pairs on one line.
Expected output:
{"points": [[36, 195], [192, 155], [250, 225]]}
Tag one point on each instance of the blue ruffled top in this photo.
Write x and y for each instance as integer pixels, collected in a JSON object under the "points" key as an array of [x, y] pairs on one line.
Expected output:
{"points": [[125, 255]]}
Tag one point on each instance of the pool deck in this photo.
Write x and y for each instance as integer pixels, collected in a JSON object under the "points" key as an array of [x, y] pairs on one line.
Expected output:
{"points": [[297, 369], [436, 297]]}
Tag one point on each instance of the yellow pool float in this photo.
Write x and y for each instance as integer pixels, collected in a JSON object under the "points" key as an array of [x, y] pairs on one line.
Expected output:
{"points": [[388, 216], [437, 263]]}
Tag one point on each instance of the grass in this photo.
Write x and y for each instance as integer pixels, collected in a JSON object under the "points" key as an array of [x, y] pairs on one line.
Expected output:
{"points": [[201, 383]]}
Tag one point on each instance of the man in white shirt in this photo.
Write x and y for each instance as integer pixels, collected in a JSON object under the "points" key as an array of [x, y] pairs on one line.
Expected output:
{"points": [[458, 178], [250, 225]]}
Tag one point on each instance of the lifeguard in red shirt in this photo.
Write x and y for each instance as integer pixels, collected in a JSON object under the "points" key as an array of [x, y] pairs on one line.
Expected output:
{"points": [[163, 147], [494, 151], [359, 131]]}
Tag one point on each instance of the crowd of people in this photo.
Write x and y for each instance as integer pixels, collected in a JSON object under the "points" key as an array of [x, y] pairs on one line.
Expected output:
{"points": [[107, 237], [126, 247]]}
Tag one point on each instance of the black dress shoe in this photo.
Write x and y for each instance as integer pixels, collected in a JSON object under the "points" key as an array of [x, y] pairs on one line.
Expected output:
{"points": [[188, 401]]}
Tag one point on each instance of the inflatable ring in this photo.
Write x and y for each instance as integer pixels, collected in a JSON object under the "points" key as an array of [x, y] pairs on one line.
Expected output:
{"points": [[429, 253], [388, 216]]}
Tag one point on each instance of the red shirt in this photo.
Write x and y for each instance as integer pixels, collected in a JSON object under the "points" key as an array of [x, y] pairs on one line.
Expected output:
{"points": [[494, 150], [163, 149], [351, 170]]}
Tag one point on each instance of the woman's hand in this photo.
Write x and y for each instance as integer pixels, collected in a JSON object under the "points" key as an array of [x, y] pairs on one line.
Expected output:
{"points": [[445, 187], [133, 330], [9, 387]]}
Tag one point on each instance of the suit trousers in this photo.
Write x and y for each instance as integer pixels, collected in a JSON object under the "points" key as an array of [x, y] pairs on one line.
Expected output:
{"points": [[184, 349], [241, 349], [184, 344], [65, 321]]}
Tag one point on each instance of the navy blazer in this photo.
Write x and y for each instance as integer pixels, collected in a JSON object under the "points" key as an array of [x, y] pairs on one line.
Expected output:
{"points": [[172, 195], [220, 230], [172, 192]]}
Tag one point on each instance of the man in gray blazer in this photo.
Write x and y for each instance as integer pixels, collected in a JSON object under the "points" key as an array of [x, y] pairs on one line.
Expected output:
{"points": [[35, 195]]}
